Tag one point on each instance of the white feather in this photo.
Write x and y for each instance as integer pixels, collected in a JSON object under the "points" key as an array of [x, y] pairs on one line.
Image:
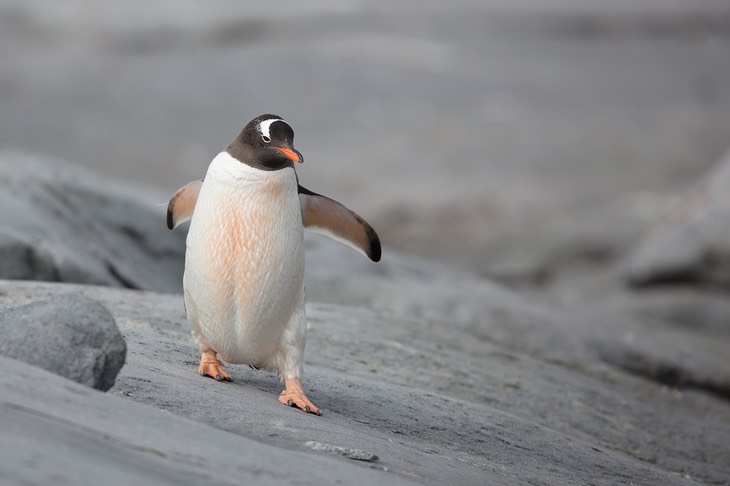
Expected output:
{"points": [[244, 269], [265, 126], [183, 219]]}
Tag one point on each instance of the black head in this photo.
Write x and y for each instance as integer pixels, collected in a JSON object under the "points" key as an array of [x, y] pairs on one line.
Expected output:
{"points": [[267, 143]]}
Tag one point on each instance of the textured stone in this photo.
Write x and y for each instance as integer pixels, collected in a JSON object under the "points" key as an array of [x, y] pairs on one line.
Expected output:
{"points": [[70, 335], [348, 452], [53, 431], [435, 400], [64, 223]]}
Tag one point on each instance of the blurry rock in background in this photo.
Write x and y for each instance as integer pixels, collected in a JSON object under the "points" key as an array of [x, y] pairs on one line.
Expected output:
{"points": [[691, 244], [528, 141], [65, 223]]}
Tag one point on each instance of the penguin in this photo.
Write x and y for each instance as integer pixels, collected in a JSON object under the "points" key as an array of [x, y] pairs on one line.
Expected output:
{"points": [[243, 283]]}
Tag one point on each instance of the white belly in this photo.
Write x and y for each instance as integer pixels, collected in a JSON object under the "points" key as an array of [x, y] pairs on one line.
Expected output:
{"points": [[244, 266]]}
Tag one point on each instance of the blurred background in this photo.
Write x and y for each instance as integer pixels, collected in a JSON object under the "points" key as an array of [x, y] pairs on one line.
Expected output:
{"points": [[526, 140]]}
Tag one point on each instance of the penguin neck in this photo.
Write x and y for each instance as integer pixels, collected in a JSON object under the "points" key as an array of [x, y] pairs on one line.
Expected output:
{"points": [[226, 169]]}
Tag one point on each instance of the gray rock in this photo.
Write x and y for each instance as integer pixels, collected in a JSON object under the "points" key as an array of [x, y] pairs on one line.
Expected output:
{"points": [[413, 288], [53, 431], [437, 401], [675, 336], [64, 223], [348, 452], [691, 244], [70, 335]]}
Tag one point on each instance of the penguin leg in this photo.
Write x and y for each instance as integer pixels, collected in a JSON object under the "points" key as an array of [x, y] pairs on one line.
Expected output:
{"points": [[292, 364], [211, 366]]}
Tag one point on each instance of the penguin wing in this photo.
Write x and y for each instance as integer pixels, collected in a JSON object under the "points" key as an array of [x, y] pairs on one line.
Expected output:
{"points": [[324, 215], [182, 204]]}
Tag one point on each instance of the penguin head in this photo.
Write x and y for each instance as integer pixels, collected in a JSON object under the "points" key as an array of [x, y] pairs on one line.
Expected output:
{"points": [[266, 142]]}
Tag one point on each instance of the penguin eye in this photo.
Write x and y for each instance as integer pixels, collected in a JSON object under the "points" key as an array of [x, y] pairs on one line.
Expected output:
{"points": [[266, 138]]}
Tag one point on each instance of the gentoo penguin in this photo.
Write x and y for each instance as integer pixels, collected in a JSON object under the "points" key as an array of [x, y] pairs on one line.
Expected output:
{"points": [[244, 265]]}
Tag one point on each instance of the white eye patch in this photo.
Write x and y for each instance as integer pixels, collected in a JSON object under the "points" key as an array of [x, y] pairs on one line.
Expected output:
{"points": [[265, 127]]}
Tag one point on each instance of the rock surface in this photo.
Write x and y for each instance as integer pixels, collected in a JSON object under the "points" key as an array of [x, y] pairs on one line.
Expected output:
{"points": [[519, 396], [53, 431], [70, 335], [65, 223], [691, 243]]}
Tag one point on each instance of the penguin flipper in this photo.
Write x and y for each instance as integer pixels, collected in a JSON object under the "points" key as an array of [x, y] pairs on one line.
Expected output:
{"points": [[324, 215], [182, 204]]}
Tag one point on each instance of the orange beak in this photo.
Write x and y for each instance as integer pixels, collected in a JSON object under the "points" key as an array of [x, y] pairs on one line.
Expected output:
{"points": [[292, 155]]}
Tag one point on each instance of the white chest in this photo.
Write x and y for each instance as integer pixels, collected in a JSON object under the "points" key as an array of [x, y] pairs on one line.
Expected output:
{"points": [[244, 266]]}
